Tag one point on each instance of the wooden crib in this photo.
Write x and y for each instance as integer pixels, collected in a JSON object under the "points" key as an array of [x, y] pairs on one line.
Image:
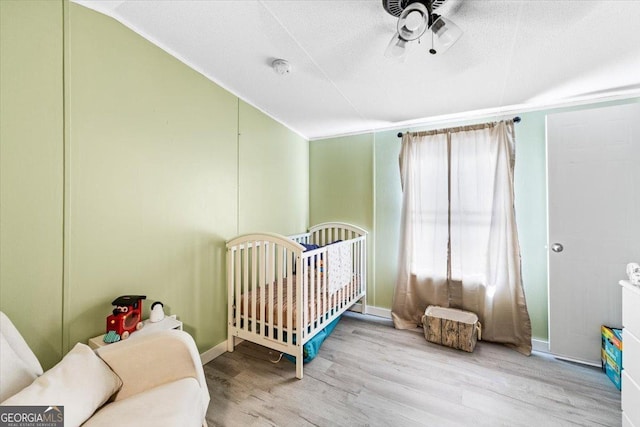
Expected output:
{"points": [[283, 290]]}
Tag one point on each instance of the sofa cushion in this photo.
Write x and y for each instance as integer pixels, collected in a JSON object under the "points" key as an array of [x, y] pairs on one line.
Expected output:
{"points": [[19, 347], [178, 403], [81, 382], [14, 373]]}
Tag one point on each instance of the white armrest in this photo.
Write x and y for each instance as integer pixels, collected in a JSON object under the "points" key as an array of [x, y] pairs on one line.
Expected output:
{"points": [[151, 360], [19, 345]]}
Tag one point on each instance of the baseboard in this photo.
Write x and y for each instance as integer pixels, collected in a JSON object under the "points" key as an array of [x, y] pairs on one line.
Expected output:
{"points": [[373, 311], [216, 351], [536, 344], [206, 357], [213, 352], [221, 348], [580, 361], [540, 345], [379, 312]]}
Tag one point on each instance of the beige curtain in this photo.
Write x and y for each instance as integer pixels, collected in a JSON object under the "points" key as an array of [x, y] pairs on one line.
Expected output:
{"points": [[459, 243]]}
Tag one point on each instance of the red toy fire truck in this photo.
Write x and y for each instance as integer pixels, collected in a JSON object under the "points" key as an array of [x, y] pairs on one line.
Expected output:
{"points": [[126, 317]]}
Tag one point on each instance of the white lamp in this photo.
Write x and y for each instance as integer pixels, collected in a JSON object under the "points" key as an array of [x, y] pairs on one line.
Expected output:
{"points": [[157, 312]]}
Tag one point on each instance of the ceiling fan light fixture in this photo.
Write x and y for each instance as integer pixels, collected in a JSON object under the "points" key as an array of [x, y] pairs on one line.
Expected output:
{"points": [[413, 21], [415, 17], [445, 34], [397, 48]]}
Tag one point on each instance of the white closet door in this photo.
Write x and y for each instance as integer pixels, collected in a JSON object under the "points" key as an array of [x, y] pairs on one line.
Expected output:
{"points": [[593, 161]]}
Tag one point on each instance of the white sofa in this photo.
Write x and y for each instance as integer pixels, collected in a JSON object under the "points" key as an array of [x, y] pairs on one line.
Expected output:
{"points": [[151, 380]]}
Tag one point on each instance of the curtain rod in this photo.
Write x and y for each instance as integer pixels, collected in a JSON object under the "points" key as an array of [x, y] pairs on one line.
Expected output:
{"points": [[516, 119]]}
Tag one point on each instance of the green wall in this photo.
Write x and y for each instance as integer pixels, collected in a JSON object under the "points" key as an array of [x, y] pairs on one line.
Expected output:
{"points": [[388, 203], [273, 176], [341, 188], [31, 172], [123, 172], [381, 152], [153, 191]]}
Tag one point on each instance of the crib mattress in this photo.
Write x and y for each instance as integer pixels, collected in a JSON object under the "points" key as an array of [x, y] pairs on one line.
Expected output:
{"points": [[326, 303]]}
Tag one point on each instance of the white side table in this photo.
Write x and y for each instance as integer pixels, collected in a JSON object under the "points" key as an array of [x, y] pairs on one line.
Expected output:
{"points": [[169, 322]]}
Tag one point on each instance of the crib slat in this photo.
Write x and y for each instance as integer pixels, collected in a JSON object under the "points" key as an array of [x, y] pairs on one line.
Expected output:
{"points": [[319, 291], [363, 266], [271, 281], [352, 282], [356, 277], [230, 288], [245, 285], [349, 287], [317, 285], [290, 307], [356, 269], [254, 289], [301, 320], [278, 288], [238, 291], [307, 263], [359, 276], [262, 283]]}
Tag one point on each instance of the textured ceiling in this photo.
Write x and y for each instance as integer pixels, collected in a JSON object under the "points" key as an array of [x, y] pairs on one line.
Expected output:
{"points": [[514, 55]]}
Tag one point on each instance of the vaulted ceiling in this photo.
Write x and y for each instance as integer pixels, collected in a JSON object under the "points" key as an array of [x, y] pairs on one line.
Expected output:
{"points": [[514, 55]]}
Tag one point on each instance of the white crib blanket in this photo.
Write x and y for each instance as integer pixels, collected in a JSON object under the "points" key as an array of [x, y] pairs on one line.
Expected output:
{"points": [[339, 265]]}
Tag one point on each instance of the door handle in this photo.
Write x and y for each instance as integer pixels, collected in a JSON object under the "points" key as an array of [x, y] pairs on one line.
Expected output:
{"points": [[557, 247]]}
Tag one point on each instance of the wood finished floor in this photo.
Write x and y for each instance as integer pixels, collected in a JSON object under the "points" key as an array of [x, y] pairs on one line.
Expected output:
{"points": [[369, 374]]}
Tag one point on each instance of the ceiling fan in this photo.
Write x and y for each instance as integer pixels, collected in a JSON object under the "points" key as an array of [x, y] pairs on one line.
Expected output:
{"points": [[415, 17]]}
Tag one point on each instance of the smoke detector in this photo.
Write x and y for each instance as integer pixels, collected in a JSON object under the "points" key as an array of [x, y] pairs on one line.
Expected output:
{"points": [[281, 66]]}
